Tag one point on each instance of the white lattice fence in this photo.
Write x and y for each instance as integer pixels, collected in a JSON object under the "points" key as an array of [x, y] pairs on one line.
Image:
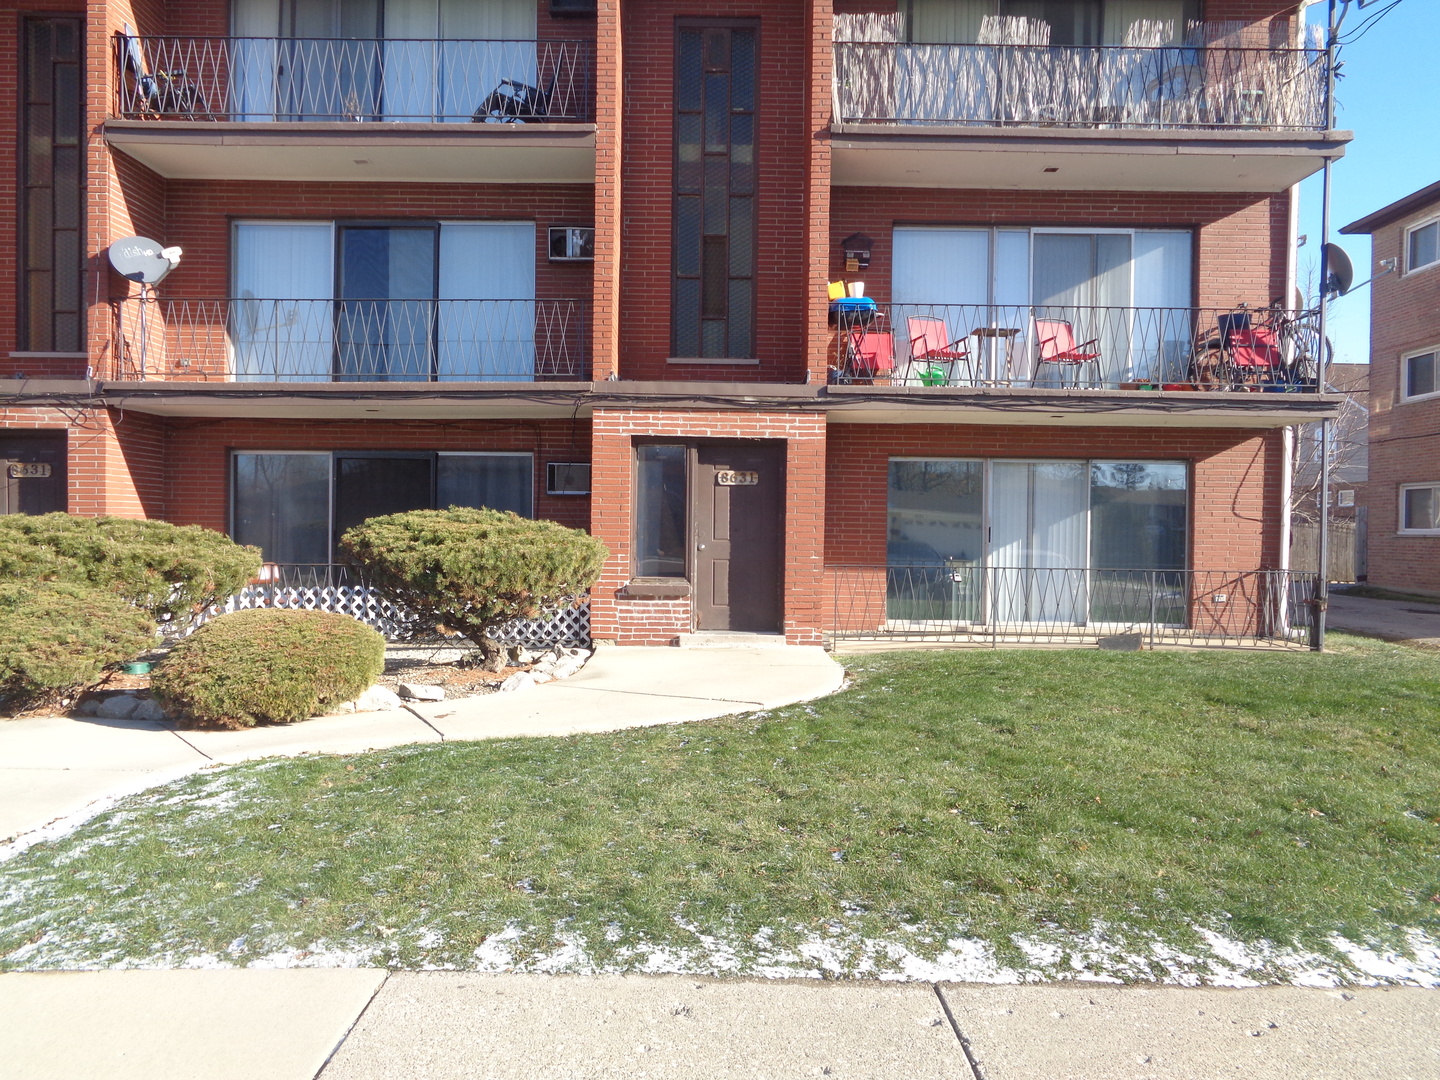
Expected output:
{"points": [[568, 627]]}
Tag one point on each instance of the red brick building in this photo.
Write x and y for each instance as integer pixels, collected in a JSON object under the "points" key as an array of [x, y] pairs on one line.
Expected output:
{"points": [[1403, 490], [574, 258]]}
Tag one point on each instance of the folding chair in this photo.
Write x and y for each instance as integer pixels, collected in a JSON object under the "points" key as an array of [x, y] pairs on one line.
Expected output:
{"points": [[515, 102], [871, 355], [934, 353], [165, 93], [1055, 344], [1253, 353]]}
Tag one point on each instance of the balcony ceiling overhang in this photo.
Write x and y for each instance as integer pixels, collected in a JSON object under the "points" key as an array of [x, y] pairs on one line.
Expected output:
{"points": [[1055, 159], [388, 152], [564, 400]]}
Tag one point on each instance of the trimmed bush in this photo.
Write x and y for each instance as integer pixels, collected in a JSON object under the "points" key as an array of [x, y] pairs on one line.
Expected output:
{"points": [[474, 570], [169, 570], [268, 665], [56, 637]]}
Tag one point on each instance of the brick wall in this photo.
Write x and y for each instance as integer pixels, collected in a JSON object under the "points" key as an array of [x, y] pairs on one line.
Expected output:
{"points": [[1240, 244], [656, 622], [1404, 435], [115, 460], [784, 149]]}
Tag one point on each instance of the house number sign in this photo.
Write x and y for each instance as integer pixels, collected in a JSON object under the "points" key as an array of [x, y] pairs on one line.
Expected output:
{"points": [[19, 470], [732, 478]]}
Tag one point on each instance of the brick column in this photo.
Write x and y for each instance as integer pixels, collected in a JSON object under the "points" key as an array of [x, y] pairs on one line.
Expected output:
{"points": [[817, 189], [609, 92]]}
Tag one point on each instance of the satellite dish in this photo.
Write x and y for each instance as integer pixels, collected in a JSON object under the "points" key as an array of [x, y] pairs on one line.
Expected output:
{"points": [[1339, 272], [143, 260]]}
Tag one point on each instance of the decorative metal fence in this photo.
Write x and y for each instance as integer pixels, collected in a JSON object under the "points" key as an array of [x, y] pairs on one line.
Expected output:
{"points": [[1080, 86], [331, 587], [363, 340], [1099, 348], [352, 79], [967, 603]]}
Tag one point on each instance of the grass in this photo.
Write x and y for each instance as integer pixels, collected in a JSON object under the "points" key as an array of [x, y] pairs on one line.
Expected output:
{"points": [[1375, 592], [1066, 809]]}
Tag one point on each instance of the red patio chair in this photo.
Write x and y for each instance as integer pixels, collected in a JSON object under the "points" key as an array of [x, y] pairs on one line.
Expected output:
{"points": [[1055, 340], [931, 346], [872, 354], [1255, 354]]}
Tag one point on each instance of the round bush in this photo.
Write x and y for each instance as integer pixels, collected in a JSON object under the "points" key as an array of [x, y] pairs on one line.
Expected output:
{"points": [[169, 570], [474, 570], [56, 637], [268, 665]]}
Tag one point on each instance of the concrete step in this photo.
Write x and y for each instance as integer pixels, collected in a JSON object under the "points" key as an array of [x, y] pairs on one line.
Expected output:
{"points": [[729, 639]]}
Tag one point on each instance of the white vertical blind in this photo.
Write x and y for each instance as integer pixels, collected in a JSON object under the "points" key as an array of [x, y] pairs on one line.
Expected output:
{"points": [[1121, 15], [284, 283], [948, 22], [1038, 534], [1163, 283], [938, 267], [253, 62], [487, 272], [483, 44]]}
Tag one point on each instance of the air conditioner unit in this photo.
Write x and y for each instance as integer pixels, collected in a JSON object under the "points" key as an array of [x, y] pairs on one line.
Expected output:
{"points": [[572, 9], [567, 478], [571, 244]]}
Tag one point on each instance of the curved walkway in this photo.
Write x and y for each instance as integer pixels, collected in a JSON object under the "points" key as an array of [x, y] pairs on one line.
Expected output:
{"points": [[56, 771]]}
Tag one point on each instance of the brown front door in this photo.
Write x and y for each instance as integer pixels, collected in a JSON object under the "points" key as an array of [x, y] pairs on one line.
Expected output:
{"points": [[32, 472], [737, 513]]}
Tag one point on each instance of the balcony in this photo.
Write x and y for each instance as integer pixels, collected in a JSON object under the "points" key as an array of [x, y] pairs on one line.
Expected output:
{"points": [[351, 341], [356, 109], [1071, 347], [1201, 118]]}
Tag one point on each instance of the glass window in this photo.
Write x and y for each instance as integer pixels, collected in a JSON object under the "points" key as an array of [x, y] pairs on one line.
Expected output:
{"points": [[935, 540], [1420, 375], [282, 506], [496, 481], [660, 511], [1138, 515], [1424, 246], [1420, 508]]}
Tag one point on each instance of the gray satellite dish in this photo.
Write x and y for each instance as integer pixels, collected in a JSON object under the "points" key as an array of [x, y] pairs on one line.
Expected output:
{"points": [[1339, 272], [140, 259]]}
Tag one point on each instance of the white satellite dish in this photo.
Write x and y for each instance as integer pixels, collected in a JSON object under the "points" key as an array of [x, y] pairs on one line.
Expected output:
{"points": [[143, 260]]}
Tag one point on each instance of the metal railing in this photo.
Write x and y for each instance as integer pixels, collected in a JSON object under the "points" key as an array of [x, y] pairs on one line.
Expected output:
{"points": [[340, 79], [338, 588], [969, 603], [253, 339], [1055, 346], [1080, 86]]}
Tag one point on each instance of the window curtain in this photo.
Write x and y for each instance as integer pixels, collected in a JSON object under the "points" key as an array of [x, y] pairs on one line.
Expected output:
{"points": [[1122, 15], [1085, 279], [254, 59], [487, 308], [1163, 331], [938, 273], [483, 44], [281, 315], [1038, 541], [494, 481], [386, 312]]}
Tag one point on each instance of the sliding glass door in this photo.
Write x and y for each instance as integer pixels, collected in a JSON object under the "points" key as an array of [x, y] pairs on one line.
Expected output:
{"points": [[1038, 540], [385, 314], [282, 313]]}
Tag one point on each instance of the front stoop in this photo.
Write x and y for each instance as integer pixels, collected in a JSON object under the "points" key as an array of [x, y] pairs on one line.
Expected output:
{"points": [[729, 639]]}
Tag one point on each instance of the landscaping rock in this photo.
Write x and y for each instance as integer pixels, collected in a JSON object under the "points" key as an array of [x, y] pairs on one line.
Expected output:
{"points": [[88, 707], [541, 677], [118, 707], [521, 680], [148, 709], [422, 692], [519, 654], [382, 699]]}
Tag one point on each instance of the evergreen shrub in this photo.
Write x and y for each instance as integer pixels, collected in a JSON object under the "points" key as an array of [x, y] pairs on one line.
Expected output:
{"points": [[474, 570], [271, 665], [56, 637], [168, 570]]}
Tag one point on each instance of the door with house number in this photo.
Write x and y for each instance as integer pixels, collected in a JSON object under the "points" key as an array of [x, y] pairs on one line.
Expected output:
{"points": [[737, 520], [32, 472]]}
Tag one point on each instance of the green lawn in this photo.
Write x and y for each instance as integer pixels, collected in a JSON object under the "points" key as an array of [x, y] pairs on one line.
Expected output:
{"points": [[1063, 808]]}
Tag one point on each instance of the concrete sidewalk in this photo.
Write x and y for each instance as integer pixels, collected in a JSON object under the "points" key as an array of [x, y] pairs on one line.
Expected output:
{"points": [[284, 1025], [54, 771], [1394, 620]]}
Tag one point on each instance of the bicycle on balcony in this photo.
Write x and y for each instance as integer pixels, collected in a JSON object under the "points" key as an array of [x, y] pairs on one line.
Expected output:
{"points": [[1272, 349]]}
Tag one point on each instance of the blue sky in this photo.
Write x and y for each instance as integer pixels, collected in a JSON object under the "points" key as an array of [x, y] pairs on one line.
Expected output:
{"points": [[1390, 99]]}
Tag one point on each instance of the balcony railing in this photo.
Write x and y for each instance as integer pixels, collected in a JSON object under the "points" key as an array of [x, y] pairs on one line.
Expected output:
{"points": [[345, 79], [1080, 86], [338, 588], [965, 602], [266, 340], [1065, 346]]}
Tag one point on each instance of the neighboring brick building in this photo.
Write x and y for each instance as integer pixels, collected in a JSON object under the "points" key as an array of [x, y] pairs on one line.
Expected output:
{"points": [[436, 252], [1403, 492]]}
